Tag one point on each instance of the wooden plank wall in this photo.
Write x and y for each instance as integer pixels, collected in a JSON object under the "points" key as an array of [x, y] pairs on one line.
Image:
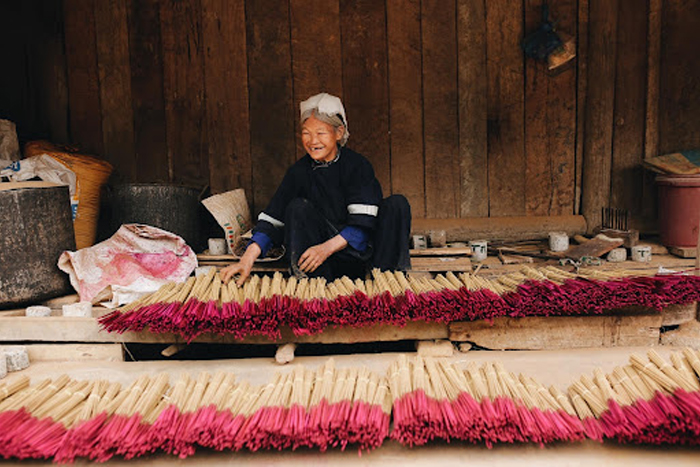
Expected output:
{"points": [[438, 94]]}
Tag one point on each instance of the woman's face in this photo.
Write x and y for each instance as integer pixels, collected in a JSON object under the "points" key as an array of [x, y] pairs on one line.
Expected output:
{"points": [[320, 139]]}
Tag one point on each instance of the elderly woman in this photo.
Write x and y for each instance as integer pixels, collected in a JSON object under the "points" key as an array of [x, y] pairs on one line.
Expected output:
{"points": [[328, 211]]}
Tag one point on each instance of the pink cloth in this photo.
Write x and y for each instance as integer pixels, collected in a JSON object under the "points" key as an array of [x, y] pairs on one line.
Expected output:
{"points": [[136, 260]]}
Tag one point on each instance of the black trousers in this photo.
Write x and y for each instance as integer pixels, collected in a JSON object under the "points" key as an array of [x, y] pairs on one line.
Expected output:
{"points": [[387, 248]]}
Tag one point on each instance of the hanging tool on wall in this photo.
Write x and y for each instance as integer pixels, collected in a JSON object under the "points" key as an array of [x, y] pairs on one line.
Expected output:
{"points": [[545, 43]]}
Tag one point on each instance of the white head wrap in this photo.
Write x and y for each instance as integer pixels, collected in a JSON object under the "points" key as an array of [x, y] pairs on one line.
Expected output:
{"points": [[325, 104]]}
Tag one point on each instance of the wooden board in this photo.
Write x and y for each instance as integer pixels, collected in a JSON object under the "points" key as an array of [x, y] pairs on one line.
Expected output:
{"points": [[679, 117], [270, 91], [50, 53], [317, 67], [651, 127], [441, 252], [148, 103], [365, 86], [594, 248], [441, 264], [550, 115], [405, 96], [630, 112], [61, 329], [440, 129], [560, 332], [74, 352], [600, 99], [683, 252], [226, 89], [501, 228], [504, 67], [581, 97], [114, 71], [472, 108], [83, 85], [679, 314], [183, 88]]}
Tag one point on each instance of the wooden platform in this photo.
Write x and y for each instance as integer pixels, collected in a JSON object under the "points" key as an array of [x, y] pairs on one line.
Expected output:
{"points": [[556, 368], [631, 326]]}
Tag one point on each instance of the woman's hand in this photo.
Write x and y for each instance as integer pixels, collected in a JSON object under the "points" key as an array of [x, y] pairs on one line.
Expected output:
{"points": [[243, 267], [315, 256]]}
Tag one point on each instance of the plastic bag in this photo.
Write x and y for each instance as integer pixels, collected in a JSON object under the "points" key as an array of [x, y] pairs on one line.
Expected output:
{"points": [[137, 260], [46, 168]]}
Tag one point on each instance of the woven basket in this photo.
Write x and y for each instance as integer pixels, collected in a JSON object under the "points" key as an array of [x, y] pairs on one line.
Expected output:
{"points": [[231, 211], [91, 174]]}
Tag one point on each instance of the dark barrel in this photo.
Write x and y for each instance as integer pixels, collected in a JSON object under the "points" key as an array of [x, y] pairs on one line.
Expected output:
{"points": [[169, 207], [35, 228]]}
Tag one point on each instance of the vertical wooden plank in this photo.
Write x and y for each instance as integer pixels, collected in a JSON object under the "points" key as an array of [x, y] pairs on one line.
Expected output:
{"points": [[440, 125], [679, 112], [582, 38], [226, 85], [366, 96], [272, 136], [405, 100], [473, 147], [147, 100], [183, 84], [651, 129], [597, 148], [316, 52], [630, 107], [53, 79], [47, 96], [115, 86], [550, 120], [15, 78], [83, 81], [505, 68]]}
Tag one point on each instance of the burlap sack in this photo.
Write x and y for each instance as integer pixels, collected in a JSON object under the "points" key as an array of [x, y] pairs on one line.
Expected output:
{"points": [[231, 211]]}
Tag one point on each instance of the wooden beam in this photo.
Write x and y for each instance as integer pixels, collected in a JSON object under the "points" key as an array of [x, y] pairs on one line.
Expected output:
{"points": [[501, 228], [560, 332], [74, 352], [679, 314], [441, 264], [62, 329]]}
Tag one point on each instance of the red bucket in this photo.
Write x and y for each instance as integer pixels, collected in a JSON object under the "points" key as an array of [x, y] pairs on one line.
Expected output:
{"points": [[679, 209]]}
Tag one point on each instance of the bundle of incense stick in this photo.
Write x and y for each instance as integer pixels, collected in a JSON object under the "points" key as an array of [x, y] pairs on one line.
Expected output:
{"points": [[204, 304], [649, 401], [487, 404], [65, 419]]}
